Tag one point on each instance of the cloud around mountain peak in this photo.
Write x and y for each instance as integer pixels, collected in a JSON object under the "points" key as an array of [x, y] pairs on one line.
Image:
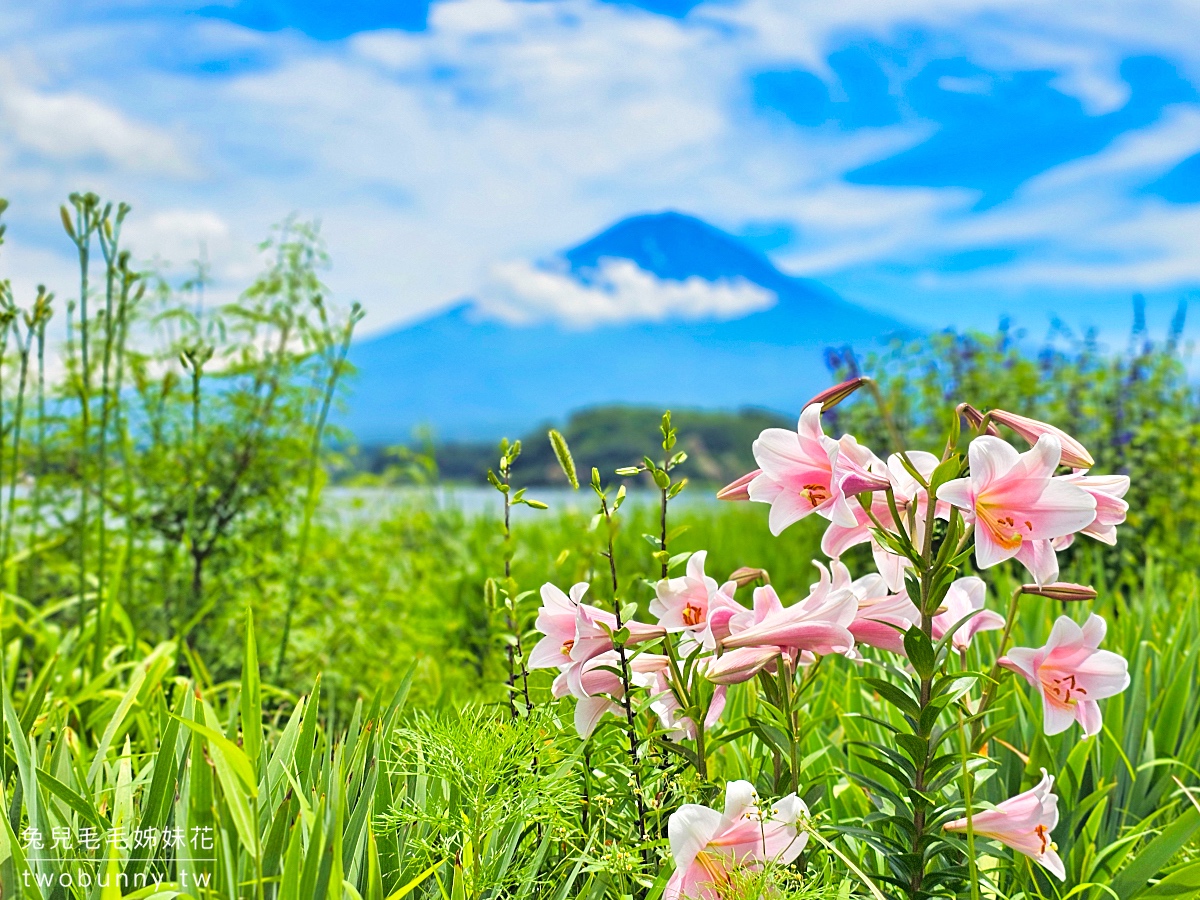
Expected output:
{"points": [[618, 291], [654, 267]]}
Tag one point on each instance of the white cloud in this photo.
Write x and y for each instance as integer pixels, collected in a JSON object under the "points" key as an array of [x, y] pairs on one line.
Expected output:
{"points": [[180, 235], [73, 127], [619, 292]]}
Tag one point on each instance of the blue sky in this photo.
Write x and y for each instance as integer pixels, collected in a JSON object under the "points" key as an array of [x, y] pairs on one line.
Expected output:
{"points": [[948, 161]]}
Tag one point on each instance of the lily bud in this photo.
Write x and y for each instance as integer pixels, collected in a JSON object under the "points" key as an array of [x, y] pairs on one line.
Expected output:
{"points": [[740, 489], [1061, 590], [747, 574], [860, 482], [1074, 454], [831, 397], [974, 418]]}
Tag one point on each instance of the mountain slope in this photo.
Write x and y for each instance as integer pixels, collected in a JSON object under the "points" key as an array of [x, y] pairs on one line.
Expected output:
{"points": [[469, 376]]}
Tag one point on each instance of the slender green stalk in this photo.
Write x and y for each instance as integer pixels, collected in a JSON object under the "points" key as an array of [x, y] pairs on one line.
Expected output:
{"points": [[510, 652], [5, 324], [662, 536], [115, 269], [626, 681], [193, 358], [515, 650], [7, 317], [122, 435], [968, 803], [23, 348], [994, 675], [928, 575], [81, 233], [35, 502], [789, 705], [337, 364], [849, 863], [885, 413]]}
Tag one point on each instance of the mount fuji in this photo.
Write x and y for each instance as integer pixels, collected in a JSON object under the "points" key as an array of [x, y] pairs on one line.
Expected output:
{"points": [[660, 309]]}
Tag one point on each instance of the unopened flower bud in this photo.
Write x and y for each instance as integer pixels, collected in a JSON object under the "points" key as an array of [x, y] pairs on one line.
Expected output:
{"points": [[831, 397], [1074, 454], [740, 489], [974, 418], [858, 482], [747, 574], [1061, 590]]}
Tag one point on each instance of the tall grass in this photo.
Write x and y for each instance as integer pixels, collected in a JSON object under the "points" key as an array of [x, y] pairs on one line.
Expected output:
{"points": [[396, 803]]}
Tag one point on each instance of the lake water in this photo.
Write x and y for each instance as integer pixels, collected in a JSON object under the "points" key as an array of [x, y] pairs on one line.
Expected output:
{"points": [[377, 503]]}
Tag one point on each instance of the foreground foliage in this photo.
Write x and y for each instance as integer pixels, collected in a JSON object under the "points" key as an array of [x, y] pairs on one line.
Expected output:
{"points": [[159, 742]]}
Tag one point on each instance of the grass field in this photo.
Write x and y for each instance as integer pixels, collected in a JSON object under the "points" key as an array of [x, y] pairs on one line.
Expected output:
{"points": [[216, 684], [422, 784]]}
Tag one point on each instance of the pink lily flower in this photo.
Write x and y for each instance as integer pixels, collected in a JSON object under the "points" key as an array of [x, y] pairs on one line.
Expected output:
{"points": [[818, 624], [574, 631], [594, 629], [797, 473], [1023, 823], [598, 688], [908, 493], [1071, 673], [556, 621], [1107, 490], [667, 707], [882, 617], [965, 596], [708, 846], [857, 470], [1017, 505], [1074, 454], [683, 604]]}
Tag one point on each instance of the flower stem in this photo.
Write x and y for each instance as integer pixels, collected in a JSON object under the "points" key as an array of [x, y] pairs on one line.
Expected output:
{"points": [[515, 651], [994, 675], [626, 684]]}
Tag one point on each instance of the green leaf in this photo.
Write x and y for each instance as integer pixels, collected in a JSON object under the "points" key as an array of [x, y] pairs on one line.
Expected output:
{"points": [[77, 802], [118, 718], [678, 560], [251, 698], [915, 746], [224, 748], [308, 732], [920, 652], [1181, 884], [1132, 880], [947, 470], [112, 889], [26, 772], [37, 694], [895, 696]]}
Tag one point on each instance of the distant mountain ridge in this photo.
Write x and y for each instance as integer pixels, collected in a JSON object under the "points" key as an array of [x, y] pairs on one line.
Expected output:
{"points": [[471, 377]]}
